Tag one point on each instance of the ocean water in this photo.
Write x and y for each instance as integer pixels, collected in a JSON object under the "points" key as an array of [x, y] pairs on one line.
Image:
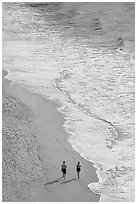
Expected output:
{"points": [[82, 56]]}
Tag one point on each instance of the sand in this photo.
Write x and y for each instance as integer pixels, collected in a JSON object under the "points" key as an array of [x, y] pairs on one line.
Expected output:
{"points": [[34, 145]]}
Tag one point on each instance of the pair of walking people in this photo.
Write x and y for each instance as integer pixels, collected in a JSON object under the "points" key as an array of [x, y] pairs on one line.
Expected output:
{"points": [[64, 169]]}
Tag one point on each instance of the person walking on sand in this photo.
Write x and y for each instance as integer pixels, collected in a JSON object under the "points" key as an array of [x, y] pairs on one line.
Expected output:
{"points": [[63, 169], [78, 168]]}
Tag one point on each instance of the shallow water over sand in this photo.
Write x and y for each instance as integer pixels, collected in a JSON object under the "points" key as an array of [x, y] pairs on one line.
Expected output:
{"points": [[82, 56]]}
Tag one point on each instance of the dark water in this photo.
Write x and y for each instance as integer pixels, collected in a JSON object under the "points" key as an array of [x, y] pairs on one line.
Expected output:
{"points": [[81, 55], [99, 24]]}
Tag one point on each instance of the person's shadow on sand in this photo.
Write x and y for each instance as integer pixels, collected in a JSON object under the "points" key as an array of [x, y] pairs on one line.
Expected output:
{"points": [[68, 181], [59, 179], [52, 182]]}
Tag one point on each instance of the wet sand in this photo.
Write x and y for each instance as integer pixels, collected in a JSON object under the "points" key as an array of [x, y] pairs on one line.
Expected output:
{"points": [[34, 145]]}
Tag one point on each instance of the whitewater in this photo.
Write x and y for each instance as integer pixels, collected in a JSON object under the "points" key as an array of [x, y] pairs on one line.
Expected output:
{"points": [[82, 56]]}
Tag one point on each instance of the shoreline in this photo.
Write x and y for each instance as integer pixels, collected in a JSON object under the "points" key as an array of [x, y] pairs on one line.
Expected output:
{"points": [[55, 148]]}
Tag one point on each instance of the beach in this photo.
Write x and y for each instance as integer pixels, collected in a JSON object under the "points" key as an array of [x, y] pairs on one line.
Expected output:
{"points": [[68, 95], [34, 146]]}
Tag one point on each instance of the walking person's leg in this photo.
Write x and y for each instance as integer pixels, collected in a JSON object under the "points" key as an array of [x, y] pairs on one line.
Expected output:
{"points": [[78, 174], [64, 174]]}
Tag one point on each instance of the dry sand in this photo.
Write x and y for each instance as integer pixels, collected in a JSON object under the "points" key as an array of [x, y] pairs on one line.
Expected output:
{"points": [[34, 145]]}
